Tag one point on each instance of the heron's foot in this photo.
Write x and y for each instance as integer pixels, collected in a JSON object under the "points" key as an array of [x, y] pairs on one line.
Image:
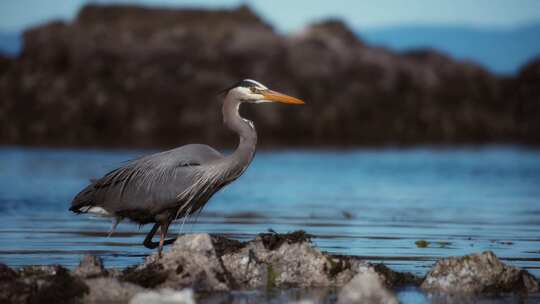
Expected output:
{"points": [[151, 245], [154, 245], [162, 241], [169, 241]]}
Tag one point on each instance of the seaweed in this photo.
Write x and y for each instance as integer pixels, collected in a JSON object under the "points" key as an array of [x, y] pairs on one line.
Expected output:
{"points": [[397, 279], [421, 243], [148, 277], [337, 264], [223, 245], [271, 277], [274, 240]]}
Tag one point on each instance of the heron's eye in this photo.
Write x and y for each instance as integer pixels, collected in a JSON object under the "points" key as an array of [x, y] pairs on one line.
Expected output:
{"points": [[254, 90]]}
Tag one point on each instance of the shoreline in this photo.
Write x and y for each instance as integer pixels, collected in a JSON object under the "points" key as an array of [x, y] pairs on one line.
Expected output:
{"points": [[200, 266]]}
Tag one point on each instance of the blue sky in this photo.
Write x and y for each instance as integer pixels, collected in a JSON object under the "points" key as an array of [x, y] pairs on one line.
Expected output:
{"points": [[290, 15]]}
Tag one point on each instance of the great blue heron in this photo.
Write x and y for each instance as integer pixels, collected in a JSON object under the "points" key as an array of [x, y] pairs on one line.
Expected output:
{"points": [[161, 187]]}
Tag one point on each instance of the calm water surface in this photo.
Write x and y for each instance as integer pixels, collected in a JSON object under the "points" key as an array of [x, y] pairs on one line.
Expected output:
{"points": [[371, 203]]}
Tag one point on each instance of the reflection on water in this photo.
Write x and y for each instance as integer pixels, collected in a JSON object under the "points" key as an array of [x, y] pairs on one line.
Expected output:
{"points": [[371, 203]]}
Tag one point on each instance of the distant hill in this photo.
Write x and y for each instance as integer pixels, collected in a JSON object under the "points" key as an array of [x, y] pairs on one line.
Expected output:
{"points": [[499, 50], [10, 43]]}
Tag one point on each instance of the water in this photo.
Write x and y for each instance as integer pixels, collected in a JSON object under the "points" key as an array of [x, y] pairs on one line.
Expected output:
{"points": [[374, 203]]}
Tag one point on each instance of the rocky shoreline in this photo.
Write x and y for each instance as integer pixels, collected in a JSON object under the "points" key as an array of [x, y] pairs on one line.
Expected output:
{"points": [[198, 265], [120, 76]]}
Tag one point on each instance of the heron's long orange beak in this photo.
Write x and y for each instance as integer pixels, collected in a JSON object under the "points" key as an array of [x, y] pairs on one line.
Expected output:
{"points": [[279, 97]]}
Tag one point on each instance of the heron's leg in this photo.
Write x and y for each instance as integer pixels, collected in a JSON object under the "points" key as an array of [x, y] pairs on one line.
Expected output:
{"points": [[163, 233], [148, 240]]}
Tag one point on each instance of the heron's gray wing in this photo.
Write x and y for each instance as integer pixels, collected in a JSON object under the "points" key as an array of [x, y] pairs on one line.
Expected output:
{"points": [[148, 183]]}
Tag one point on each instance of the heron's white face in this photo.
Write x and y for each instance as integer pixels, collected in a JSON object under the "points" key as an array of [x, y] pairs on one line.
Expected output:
{"points": [[249, 91], [254, 92]]}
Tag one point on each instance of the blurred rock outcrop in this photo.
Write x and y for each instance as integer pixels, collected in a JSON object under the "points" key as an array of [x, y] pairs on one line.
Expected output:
{"points": [[478, 273], [89, 267], [165, 296], [40, 284], [133, 76], [366, 287]]}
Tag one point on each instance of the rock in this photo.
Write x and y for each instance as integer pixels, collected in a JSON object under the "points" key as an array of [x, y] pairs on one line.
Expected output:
{"points": [[147, 276], [271, 260], [394, 279], [274, 240], [40, 284], [291, 260], [212, 264], [366, 287], [164, 296], [5, 63], [116, 272], [6, 273], [524, 92], [110, 290], [190, 262], [89, 267], [12, 290], [101, 74], [478, 273]]}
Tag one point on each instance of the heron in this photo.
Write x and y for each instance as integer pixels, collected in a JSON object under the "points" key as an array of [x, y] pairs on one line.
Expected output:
{"points": [[174, 184]]}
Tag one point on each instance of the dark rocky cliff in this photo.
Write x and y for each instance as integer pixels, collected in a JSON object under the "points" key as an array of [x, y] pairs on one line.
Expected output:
{"points": [[133, 76]]}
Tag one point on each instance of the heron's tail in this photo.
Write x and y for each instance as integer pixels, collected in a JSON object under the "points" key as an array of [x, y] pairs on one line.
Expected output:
{"points": [[84, 200]]}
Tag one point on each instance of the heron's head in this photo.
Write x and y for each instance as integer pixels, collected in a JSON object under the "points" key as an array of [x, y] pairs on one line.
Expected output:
{"points": [[252, 91]]}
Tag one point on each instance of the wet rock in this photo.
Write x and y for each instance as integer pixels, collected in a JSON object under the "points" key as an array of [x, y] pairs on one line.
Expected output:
{"points": [[110, 290], [12, 290], [47, 284], [6, 273], [149, 276], [223, 245], [366, 287], [274, 240], [291, 260], [199, 262], [478, 273], [164, 296], [271, 260], [39, 271], [394, 279], [90, 266], [190, 262], [116, 272]]}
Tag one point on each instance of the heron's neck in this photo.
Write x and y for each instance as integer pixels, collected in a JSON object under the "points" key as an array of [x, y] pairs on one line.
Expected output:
{"points": [[245, 129]]}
